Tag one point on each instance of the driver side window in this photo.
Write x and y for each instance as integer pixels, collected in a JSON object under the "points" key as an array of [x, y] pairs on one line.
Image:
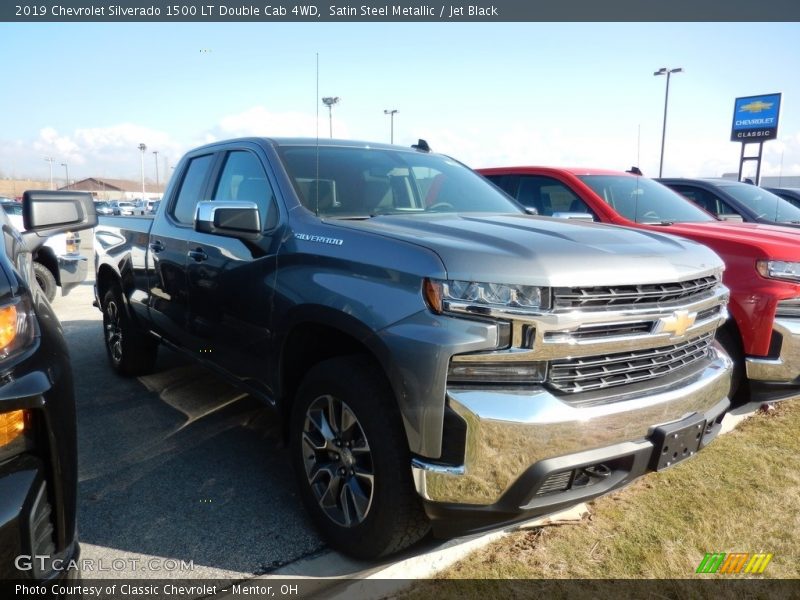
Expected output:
{"points": [[243, 178]]}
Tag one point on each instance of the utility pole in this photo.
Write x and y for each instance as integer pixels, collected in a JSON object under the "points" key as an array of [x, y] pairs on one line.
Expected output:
{"points": [[665, 71], [50, 159], [66, 168], [329, 101], [391, 113], [142, 147], [155, 153]]}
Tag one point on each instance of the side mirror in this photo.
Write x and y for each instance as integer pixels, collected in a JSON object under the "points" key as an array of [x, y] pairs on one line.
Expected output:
{"points": [[530, 210], [46, 213], [577, 216], [228, 218]]}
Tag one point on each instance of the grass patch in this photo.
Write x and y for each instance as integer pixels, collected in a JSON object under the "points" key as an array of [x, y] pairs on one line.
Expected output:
{"points": [[740, 494]]}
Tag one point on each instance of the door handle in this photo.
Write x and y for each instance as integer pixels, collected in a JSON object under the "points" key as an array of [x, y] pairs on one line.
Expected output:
{"points": [[198, 254], [156, 246]]}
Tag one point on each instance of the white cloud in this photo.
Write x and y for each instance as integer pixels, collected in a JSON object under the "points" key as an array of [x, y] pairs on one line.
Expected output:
{"points": [[113, 151], [259, 121]]}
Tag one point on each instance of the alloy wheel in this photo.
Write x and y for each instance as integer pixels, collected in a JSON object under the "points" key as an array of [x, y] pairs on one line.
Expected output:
{"points": [[338, 461]]}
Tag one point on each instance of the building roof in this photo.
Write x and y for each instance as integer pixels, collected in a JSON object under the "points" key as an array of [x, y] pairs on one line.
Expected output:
{"points": [[104, 184]]}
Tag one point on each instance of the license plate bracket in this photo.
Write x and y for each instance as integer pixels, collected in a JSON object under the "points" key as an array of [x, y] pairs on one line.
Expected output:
{"points": [[675, 442]]}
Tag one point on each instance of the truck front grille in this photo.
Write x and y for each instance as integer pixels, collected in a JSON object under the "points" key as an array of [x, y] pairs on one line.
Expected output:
{"points": [[634, 296], [590, 373]]}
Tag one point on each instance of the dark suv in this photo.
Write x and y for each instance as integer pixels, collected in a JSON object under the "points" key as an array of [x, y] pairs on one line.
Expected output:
{"points": [[731, 200], [38, 456]]}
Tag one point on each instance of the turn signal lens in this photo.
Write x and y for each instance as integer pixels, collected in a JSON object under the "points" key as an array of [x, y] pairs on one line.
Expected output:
{"points": [[12, 426], [8, 326], [17, 327], [432, 290]]}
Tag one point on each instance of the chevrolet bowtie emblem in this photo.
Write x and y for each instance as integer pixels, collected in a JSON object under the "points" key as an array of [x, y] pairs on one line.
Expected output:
{"points": [[677, 323]]}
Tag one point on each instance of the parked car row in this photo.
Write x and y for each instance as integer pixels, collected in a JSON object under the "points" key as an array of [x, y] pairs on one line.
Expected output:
{"points": [[126, 208]]}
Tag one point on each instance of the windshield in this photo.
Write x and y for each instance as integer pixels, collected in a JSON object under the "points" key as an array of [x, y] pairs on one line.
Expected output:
{"points": [[12, 208], [765, 204], [644, 201], [364, 182]]}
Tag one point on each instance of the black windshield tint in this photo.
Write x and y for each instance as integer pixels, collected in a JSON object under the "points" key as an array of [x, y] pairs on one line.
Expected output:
{"points": [[643, 200], [362, 182]]}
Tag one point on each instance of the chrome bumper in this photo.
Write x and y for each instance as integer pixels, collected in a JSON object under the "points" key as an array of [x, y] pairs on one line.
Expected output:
{"points": [[509, 431], [785, 368], [72, 270]]}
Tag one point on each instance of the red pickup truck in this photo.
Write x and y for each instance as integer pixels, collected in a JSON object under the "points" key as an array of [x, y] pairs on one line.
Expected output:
{"points": [[763, 261]]}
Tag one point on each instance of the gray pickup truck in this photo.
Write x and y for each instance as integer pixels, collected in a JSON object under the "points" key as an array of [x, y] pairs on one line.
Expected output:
{"points": [[438, 356]]}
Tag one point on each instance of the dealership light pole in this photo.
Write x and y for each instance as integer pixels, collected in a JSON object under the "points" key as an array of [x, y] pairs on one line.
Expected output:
{"points": [[50, 159], [142, 147], [155, 154], [665, 71], [391, 114], [66, 169], [329, 101]]}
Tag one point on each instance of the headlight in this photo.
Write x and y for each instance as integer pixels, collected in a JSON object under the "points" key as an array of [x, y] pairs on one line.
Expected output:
{"points": [[17, 327], [480, 298], [779, 269], [73, 242]]}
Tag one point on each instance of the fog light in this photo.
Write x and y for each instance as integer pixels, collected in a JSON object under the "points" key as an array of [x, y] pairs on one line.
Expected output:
{"points": [[506, 372]]}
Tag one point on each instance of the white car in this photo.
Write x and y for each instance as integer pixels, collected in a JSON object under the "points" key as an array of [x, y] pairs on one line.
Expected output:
{"points": [[57, 262]]}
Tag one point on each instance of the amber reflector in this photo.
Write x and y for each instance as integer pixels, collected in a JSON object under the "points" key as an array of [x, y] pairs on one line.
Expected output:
{"points": [[12, 425]]}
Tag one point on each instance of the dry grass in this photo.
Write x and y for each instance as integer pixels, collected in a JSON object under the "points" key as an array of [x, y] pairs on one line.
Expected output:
{"points": [[741, 494]]}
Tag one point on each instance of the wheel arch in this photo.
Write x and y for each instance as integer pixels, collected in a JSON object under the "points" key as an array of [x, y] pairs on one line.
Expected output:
{"points": [[312, 340], [47, 257]]}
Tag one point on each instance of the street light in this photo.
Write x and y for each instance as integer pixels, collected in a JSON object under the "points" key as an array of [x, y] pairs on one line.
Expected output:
{"points": [[66, 168], [142, 147], [155, 154], [329, 101], [391, 114], [665, 71], [50, 159]]}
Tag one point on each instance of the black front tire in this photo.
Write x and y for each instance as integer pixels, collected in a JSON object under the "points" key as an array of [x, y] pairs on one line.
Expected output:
{"points": [[728, 337], [46, 280], [352, 462], [131, 351]]}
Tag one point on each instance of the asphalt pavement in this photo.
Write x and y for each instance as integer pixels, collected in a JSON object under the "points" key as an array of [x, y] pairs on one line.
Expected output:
{"points": [[177, 465]]}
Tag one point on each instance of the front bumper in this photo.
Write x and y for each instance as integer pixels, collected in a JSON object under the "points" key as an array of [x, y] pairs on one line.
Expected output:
{"points": [[783, 371], [72, 270], [524, 448]]}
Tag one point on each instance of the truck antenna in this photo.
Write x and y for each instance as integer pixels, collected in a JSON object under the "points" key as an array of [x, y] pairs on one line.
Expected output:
{"points": [[316, 177]]}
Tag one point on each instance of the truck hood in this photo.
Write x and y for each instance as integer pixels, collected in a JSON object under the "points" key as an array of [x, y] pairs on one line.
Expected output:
{"points": [[754, 239], [543, 251]]}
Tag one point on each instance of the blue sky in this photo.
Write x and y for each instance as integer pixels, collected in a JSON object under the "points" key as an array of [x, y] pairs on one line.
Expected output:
{"points": [[487, 93]]}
